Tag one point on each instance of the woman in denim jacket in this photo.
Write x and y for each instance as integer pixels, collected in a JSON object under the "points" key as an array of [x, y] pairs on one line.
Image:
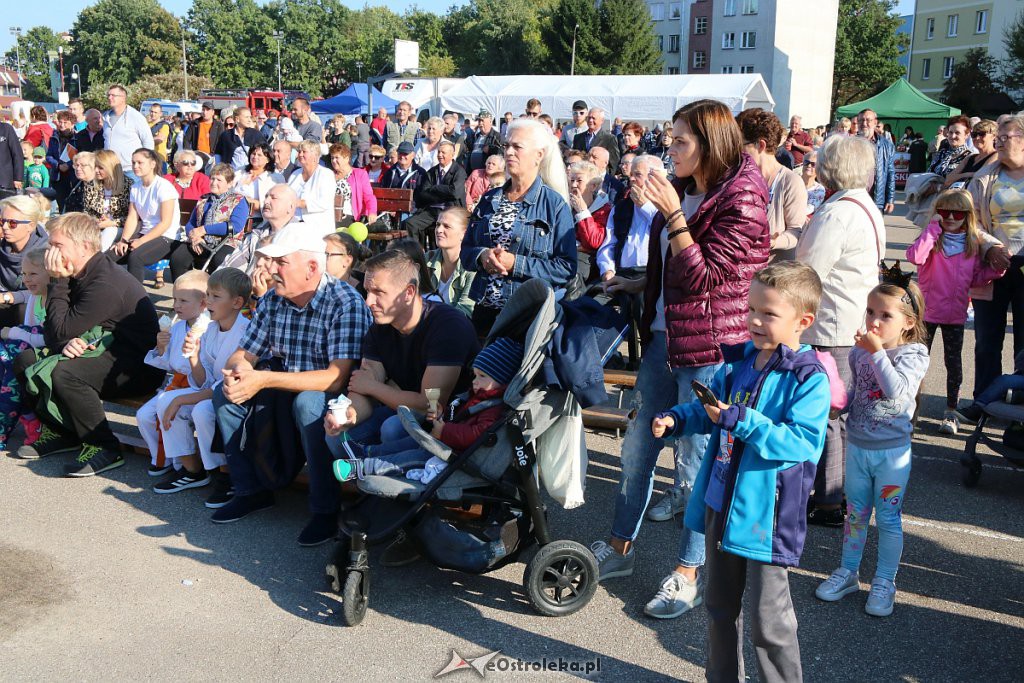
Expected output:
{"points": [[524, 229]]}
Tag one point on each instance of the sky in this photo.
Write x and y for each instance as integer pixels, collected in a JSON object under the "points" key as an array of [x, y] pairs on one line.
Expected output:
{"points": [[59, 14]]}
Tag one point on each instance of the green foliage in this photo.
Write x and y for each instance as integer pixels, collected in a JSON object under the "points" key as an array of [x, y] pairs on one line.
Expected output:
{"points": [[314, 45], [974, 79], [231, 42], [502, 37], [1013, 64], [428, 29], [124, 40], [33, 46], [867, 49], [626, 28], [591, 54], [169, 86]]}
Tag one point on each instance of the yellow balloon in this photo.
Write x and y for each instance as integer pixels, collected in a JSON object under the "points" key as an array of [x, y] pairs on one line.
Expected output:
{"points": [[358, 231]]}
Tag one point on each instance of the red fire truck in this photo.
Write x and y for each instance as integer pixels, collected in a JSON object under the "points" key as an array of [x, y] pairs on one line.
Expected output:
{"points": [[254, 99]]}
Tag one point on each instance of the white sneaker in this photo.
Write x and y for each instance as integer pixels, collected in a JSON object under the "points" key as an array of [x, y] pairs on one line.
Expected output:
{"points": [[882, 598], [950, 423], [677, 595], [671, 504], [610, 563], [839, 585]]}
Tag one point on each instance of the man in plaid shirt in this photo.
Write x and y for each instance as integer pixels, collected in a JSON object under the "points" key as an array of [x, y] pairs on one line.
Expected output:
{"points": [[315, 325]]}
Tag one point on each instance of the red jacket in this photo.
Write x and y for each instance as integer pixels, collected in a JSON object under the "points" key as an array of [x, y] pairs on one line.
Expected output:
{"points": [[461, 433], [199, 186], [706, 285], [590, 229]]}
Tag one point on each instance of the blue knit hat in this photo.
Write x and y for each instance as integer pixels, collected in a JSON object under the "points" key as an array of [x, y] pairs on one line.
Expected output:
{"points": [[500, 359]]}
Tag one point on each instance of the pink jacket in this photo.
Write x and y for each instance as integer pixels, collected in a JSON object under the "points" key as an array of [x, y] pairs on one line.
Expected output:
{"points": [[946, 281], [363, 201]]}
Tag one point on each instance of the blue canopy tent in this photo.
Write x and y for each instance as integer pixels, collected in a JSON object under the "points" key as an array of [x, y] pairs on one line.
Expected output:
{"points": [[353, 100]]}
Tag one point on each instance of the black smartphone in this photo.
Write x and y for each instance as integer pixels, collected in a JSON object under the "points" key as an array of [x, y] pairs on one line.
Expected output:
{"points": [[704, 395]]}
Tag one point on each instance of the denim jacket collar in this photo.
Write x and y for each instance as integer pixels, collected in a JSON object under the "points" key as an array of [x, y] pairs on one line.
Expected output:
{"points": [[531, 197]]}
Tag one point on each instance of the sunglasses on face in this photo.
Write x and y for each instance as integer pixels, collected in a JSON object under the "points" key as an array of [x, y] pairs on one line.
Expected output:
{"points": [[186, 163], [978, 134], [376, 157], [951, 213], [12, 223], [811, 164]]}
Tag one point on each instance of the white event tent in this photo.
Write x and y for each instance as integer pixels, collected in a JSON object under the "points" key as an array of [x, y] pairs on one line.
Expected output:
{"points": [[642, 98]]}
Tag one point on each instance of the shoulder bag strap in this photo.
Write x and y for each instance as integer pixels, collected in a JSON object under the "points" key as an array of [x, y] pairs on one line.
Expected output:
{"points": [[874, 228]]}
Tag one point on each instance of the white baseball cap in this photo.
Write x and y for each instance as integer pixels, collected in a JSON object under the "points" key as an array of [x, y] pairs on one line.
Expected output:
{"points": [[292, 238]]}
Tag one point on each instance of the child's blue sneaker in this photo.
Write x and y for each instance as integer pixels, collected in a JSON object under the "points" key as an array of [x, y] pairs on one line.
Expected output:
{"points": [[839, 585], [882, 598], [347, 470]]}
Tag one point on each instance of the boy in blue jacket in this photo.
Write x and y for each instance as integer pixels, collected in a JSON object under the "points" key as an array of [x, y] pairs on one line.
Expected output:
{"points": [[750, 496]]}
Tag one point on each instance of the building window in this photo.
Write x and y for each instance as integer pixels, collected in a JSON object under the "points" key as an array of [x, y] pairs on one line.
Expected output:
{"points": [[981, 21], [926, 69], [673, 71], [728, 41], [700, 26], [729, 8], [947, 67], [675, 10], [749, 40], [661, 43], [727, 69], [929, 29], [747, 69], [673, 43], [657, 12], [700, 59], [750, 6], [952, 22]]}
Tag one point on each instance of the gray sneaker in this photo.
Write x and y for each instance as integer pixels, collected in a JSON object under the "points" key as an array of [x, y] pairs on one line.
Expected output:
{"points": [[611, 563], [839, 585], [671, 504], [950, 424], [882, 598], [676, 596]]}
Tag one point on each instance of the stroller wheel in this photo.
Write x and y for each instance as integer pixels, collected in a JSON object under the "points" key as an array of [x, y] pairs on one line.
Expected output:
{"points": [[972, 474], [355, 598], [561, 578]]}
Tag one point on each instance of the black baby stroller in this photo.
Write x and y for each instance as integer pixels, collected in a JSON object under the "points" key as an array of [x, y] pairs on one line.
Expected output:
{"points": [[1011, 446], [497, 477]]}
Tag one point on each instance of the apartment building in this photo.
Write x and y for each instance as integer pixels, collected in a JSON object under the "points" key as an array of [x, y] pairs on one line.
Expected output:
{"points": [[670, 19], [944, 30], [791, 43]]}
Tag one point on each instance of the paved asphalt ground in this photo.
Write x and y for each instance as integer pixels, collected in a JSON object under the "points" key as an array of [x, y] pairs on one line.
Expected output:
{"points": [[102, 580]]}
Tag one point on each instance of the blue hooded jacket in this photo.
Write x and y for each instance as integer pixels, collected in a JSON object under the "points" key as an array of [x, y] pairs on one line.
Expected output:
{"points": [[778, 438]]}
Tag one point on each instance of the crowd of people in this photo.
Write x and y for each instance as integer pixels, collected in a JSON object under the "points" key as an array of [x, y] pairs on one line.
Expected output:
{"points": [[782, 370]]}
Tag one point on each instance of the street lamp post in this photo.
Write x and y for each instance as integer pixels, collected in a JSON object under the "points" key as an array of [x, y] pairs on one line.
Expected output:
{"points": [[76, 75], [184, 60], [60, 53], [16, 32], [279, 35], [359, 67], [572, 64]]}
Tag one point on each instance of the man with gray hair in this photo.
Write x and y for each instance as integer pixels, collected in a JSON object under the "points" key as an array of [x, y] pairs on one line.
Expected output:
{"points": [[278, 211], [312, 326], [884, 190], [90, 138], [444, 186], [595, 136]]}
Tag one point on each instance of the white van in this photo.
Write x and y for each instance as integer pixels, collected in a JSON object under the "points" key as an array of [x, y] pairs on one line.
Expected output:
{"points": [[171, 107]]}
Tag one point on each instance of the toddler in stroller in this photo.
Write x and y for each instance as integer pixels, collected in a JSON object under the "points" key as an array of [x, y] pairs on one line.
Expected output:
{"points": [[483, 509]]}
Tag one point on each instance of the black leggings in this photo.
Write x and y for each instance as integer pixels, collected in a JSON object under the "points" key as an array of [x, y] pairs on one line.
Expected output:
{"points": [[952, 355], [185, 259], [137, 259]]}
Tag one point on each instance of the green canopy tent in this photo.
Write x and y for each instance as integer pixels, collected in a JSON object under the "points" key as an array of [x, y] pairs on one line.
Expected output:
{"points": [[901, 105]]}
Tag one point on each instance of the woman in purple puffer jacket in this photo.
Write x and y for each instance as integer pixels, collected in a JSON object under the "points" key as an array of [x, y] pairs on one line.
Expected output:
{"points": [[710, 237]]}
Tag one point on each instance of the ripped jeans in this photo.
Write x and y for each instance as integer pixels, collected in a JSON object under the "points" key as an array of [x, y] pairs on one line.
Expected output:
{"points": [[657, 390]]}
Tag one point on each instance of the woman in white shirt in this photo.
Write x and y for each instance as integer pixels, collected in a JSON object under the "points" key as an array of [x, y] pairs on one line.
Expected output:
{"points": [[315, 187], [152, 230], [257, 179]]}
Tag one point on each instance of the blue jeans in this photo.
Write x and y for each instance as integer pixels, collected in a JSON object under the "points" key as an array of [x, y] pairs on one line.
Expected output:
{"points": [[657, 390], [395, 463], [990, 325], [308, 410], [382, 427], [875, 480], [996, 391]]}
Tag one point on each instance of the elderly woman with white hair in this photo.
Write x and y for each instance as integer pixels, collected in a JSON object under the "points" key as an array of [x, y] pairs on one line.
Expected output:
{"points": [[315, 187], [590, 208], [187, 177], [844, 242], [523, 229], [426, 149]]}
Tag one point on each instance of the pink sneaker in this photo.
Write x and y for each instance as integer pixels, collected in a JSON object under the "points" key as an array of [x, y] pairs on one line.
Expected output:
{"points": [[33, 429]]}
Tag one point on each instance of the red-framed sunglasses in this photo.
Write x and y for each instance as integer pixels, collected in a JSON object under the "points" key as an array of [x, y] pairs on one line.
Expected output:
{"points": [[951, 213]]}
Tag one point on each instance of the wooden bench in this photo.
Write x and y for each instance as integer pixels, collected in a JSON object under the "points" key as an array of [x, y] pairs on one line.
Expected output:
{"points": [[393, 199], [615, 418]]}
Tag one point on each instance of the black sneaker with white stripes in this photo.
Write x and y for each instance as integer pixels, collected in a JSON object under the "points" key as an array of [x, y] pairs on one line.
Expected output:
{"points": [[180, 481], [159, 470], [222, 492]]}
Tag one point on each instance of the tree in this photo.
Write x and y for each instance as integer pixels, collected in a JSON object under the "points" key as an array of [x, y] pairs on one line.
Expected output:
{"points": [[630, 39], [123, 40], [232, 43], [502, 37], [1013, 64], [314, 43], [428, 29], [591, 54], [974, 79], [867, 50], [169, 86], [370, 38], [35, 65]]}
